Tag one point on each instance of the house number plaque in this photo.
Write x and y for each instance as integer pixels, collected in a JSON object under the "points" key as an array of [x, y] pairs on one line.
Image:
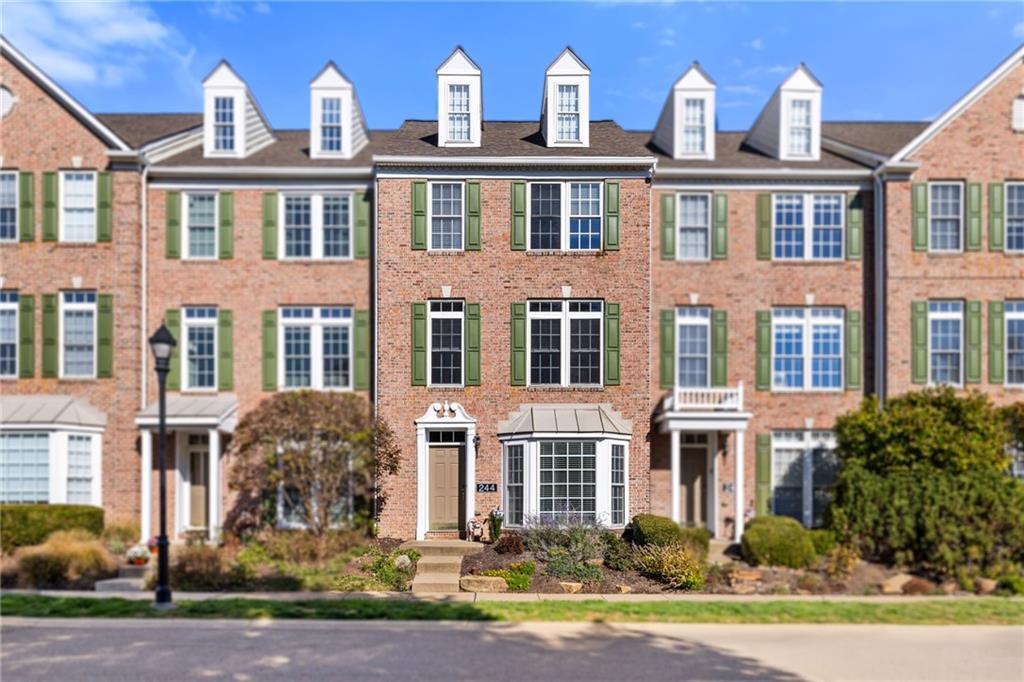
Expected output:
{"points": [[487, 487]]}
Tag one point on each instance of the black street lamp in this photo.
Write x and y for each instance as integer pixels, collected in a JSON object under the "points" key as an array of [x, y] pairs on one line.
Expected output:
{"points": [[162, 344]]}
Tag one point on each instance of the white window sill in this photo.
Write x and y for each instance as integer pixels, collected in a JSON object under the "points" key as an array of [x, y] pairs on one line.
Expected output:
{"points": [[587, 388]]}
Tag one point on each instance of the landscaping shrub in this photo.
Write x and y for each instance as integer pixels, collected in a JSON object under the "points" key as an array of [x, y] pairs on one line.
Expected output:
{"points": [[510, 543], [618, 554], [123, 531], [578, 540], [649, 529], [676, 566], [299, 546], [389, 569], [22, 525], [823, 540], [810, 582], [71, 559], [203, 568], [777, 541], [918, 586], [698, 538], [517, 576], [840, 562], [1011, 585], [561, 564]]}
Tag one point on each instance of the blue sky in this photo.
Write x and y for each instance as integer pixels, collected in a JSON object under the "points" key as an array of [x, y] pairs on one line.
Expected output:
{"points": [[877, 61]]}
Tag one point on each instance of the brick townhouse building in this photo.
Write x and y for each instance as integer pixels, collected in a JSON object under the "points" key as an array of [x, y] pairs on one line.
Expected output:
{"points": [[556, 316]]}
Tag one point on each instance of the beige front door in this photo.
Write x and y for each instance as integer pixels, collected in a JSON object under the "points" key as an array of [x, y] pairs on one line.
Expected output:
{"points": [[444, 488], [198, 477], [692, 487]]}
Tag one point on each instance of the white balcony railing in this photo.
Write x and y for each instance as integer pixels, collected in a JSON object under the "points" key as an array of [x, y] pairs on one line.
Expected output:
{"points": [[725, 399]]}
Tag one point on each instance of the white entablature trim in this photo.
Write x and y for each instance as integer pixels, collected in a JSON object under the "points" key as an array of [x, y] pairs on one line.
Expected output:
{"points": [[445, 414]]}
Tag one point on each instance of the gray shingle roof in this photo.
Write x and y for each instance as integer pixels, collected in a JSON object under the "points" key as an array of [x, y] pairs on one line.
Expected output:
{"points": [[140, 129], [291, 148], [731, 152], [566, 418], [49, 410], [882, 137]]}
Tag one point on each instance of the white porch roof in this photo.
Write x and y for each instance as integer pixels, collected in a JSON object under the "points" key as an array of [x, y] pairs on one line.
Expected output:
{"points": [[49, 410], [219, 411], [572, 418]]}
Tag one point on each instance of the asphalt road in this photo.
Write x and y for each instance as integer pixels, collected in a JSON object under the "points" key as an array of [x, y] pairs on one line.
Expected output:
{"points": [[288, 650]]}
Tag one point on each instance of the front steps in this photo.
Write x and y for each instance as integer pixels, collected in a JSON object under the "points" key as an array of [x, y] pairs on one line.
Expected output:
{"points": [[440, 564], [129, 579]]}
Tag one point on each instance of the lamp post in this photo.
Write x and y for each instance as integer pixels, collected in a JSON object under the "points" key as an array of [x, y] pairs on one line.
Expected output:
{"points": [[162, 344]]}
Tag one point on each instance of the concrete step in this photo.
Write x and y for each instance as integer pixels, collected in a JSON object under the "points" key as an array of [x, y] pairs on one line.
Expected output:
{"points": [[444, 563], [444, 547], [121, 585], [130, 571], [443, 583]]}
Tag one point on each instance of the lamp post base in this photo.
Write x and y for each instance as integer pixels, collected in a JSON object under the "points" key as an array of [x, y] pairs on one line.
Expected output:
{"points": [[164, 606]]}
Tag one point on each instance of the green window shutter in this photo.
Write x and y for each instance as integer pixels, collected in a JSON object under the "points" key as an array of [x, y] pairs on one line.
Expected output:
{"points": [[855, 226], [720, 228], [518, 359], [50, 206], [854, 349], [472, 344], [996, 350], [104, 336], [172, 319], [764, 227], [225, 350], [973, 240], [611, 216], [611, 344], [764, 351], [472, 237], [361, 377], [362, 236], [419, 215], [996, 218], [26, 207], [762, 473], [919, 342], [172, 221], [269, 348], [667, 349], [668, 228], [26, 336], [226, 234], [972, 373], [919, 210], [719, 348], [519, 217], [270, 239], [104, 207], [419, 344], [50, 332]]}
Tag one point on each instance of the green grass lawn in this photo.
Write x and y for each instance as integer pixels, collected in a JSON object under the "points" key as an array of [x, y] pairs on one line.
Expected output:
{"points": [[990, 611]]}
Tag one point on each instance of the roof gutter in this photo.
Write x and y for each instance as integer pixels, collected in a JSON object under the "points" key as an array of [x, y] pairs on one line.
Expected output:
{"points": [[514, 160], [789, 173], [261, 172]]}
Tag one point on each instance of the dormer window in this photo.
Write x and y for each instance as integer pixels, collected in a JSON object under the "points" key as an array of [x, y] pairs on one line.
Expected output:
{"points": [[685, 126], [694, 126], [224, 123], [458, 113], [800, 127], [789, 126], [459, 101], [330, 124], [568, 113]]}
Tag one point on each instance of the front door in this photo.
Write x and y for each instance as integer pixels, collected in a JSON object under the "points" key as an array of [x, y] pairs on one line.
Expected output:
{"points": [[198, 474], [694, 470], [445, 474]]}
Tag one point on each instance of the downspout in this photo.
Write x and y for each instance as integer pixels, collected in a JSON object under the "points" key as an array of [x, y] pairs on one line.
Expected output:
{"points": [[373, 331], [144, 345], [880, 290]]}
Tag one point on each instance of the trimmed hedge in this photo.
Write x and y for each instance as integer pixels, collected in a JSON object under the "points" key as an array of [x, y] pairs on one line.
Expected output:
{"points": [[777, 541], [30, 524], [824, 540], [698, 538], [648, 529]]}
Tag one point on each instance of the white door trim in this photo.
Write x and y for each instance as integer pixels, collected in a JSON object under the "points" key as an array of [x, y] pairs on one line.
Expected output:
{"points": [[450, 417]]}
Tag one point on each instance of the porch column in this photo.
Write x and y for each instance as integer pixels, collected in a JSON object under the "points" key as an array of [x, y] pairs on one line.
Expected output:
{"points": [[213, 489], [676, 467], [741, 506], [146, 503]]}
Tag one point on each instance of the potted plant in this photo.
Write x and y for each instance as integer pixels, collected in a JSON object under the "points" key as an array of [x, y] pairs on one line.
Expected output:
{"points": [[494, 520], [152, 544], [138, 555]]}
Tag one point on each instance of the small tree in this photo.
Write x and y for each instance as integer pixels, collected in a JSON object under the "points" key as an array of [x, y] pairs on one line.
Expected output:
{"points": [[323, 449]]}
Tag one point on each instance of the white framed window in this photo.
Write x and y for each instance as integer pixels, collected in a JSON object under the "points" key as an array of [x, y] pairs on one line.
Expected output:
{"points": [[694, 125], [515, 466], [1014, 318], [50, 466], [24, 468], [224, 124], [201, 226], [446, 338], [80, 453], [568, 113], [316, 344], [316, 226], [1015, 217], [945, 342], [200, 334], [804, 466], [565, 343], [618, 484], [694, 221], [458, 112], [8, 206], [800, 127], [802, 219], [693, 347], [330, 124], [446, 215], [78, 206], [8, 334], [945, 216], [807, 349], [559, 225], [78, 335]]}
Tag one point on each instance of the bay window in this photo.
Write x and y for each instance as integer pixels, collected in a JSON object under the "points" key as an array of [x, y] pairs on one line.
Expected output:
{"points": [[54, 465]]}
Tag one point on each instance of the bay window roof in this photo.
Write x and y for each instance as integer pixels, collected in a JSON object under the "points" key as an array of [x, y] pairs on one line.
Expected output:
{"points": [[566, 419]]}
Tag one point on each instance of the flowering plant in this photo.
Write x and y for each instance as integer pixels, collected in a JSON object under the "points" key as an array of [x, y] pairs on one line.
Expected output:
{"points": [[138, 555]]}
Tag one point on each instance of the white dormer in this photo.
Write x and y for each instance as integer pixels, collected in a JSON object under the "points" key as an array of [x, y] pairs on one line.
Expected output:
{"points": [[459, 101], [233, 124], [686, 127], [565, 110], [789, 127], [330, 111]]}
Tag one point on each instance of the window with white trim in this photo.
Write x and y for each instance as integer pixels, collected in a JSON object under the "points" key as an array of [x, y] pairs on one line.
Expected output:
{"points": [[800, 127], [694, 125], [559, 225], [446, 342], [693, 346], [804, 467], [802, 219], [1015, 343], [1015, 217], [330, 124], [78, 206], [565, 342], [945, 216], [618, 484], [79, 469], [201, 225], [514, 467], [8, 206], [224, 124], [694, 222], [78, 334], [317, 226], [8, 334], [945, 342], [807, 349], [458, 112], [317, 347], [446, 216], [200, 335], [568, 480], [24, 468], [568, 113]]}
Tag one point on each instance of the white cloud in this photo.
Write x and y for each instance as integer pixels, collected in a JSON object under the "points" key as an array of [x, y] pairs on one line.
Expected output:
{"points": [[742, 89], [233, 10], [668, 37], [1018, 30], [639, 24], [758, 71], [755, 44]]}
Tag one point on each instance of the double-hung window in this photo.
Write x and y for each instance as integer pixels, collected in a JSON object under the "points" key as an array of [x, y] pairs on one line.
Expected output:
{"points": [[1015, 343], [317, 343], [446, 342], [945, 216], [224, 124], [1015, 217], [78, 206], [803, 469], [800, 127], [8, 206], [458, 113], [568, 112], [80, 469], [560, 225], [802, 219], [945, 342], [568, 480], [78, 334], [807, 349], [317, 226], [565, 343], [24, 468], [694, 126], [694, 222], [693, 339], [330, 124], [201, 348], [202, 226], [446, 216], [515, 465], [8, 334]]}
